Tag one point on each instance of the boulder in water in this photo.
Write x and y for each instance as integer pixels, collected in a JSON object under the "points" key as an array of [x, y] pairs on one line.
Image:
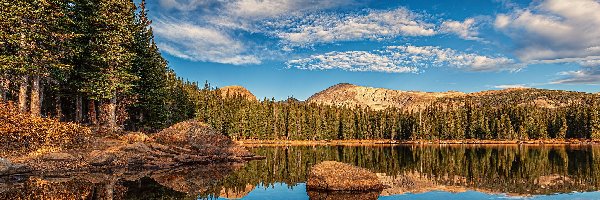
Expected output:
{"points": [[337, 176]]}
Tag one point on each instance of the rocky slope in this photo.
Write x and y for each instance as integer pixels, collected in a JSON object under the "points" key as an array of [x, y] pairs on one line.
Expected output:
{"points": [[234, 90], [345, 94], [378, 98]]}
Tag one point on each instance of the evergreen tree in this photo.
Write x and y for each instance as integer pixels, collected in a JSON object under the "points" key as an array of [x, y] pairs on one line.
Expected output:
{"points": [[106, 72], [149, 112]]}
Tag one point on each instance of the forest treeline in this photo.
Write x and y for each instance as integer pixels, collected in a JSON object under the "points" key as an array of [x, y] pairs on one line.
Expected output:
{"points": [[511, 115], [88, 61]]}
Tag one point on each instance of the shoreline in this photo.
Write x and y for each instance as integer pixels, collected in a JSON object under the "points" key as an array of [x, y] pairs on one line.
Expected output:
{"points": [[254, 143]]}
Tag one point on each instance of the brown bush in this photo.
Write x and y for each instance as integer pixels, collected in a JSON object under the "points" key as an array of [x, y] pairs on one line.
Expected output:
{"points": [[21, 133]]}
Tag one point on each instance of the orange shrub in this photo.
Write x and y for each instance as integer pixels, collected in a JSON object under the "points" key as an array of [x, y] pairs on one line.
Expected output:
{"points": [[23, 133]]}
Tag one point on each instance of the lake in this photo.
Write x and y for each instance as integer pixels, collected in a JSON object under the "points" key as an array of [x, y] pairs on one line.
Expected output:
{"points": [[413, 171]]}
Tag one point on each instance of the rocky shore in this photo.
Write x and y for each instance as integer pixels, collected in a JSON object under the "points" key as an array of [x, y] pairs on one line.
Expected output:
{"points": [[185, 143]]}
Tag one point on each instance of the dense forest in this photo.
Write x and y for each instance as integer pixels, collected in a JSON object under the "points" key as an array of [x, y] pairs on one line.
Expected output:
{"points": [[88, 61], [511, 115], [96, 62]]}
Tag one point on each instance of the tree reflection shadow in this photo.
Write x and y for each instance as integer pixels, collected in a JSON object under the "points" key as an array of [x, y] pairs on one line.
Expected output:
{"points": [[187, 182]]}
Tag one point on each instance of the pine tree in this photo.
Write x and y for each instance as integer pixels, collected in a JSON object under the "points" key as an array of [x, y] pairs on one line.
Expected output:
{"points": [[33, 34], [149, 112], [595, 121], [108, 58], [562, 132]]}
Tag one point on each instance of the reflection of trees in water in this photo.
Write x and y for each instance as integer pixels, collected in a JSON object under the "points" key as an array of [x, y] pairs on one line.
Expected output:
{"points": [[187, 182], [493, 169], [498, 169]]}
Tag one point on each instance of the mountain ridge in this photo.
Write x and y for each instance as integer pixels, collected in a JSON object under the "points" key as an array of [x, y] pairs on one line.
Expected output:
{"points": [[350, 95]]}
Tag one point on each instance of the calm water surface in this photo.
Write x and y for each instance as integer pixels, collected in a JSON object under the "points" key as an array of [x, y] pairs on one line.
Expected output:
{"points": [[414, 172]]}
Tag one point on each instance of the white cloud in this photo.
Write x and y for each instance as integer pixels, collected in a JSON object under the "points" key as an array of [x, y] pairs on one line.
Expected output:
{"points": [[589, 61], [254, 9], [466, 29], [511, 86], [584, 76], [554, 29], [558, 31], [329, 27], [357, 61], [439, 57], [403, 59], [196, 43], [185, 5]]}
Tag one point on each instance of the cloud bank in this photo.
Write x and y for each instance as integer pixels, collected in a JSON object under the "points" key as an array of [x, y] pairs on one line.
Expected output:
{"points": [[196, 43], [403, 59], [366, 25], [557, 31]]}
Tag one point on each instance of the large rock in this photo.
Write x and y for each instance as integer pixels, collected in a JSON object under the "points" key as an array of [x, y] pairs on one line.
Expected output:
{"points": [[337, 176], [9, 168], [200, 138], [58, 156], [102, 159]]}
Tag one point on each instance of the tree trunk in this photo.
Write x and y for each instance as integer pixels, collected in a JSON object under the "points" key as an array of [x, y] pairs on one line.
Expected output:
{"points": [[108, 116], [3, 87], [58, 107], [35, 103], [23, 94], [78, 108], [112, 113], [92, 112]]}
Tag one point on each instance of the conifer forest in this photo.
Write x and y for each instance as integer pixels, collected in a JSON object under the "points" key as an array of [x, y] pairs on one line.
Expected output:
{"points": [[96, 63]]}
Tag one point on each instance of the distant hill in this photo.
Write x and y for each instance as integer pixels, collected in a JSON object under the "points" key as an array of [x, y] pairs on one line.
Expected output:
{"points": [[345, 94], [526, 96], [234, 90]]}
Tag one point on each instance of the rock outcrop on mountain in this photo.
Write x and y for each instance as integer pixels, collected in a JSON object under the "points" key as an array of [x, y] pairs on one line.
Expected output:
{"points": [[349, 95], [235, 90], [378, 98]]}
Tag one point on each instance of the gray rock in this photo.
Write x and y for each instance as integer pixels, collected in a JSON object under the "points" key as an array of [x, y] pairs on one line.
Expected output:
{"points": [[57, 156], [137, 147], [102, 160]]}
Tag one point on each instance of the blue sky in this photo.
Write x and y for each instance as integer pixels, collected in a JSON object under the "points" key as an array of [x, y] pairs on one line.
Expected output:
{"points": [[284, 48]]}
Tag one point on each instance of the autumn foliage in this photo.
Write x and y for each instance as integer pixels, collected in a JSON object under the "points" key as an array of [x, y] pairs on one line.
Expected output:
{"points": [[23, 133]]}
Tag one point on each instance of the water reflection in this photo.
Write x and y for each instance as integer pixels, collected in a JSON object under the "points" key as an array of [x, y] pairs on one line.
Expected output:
{"points": [[515, 170], [188, 182], [410, 170]]}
